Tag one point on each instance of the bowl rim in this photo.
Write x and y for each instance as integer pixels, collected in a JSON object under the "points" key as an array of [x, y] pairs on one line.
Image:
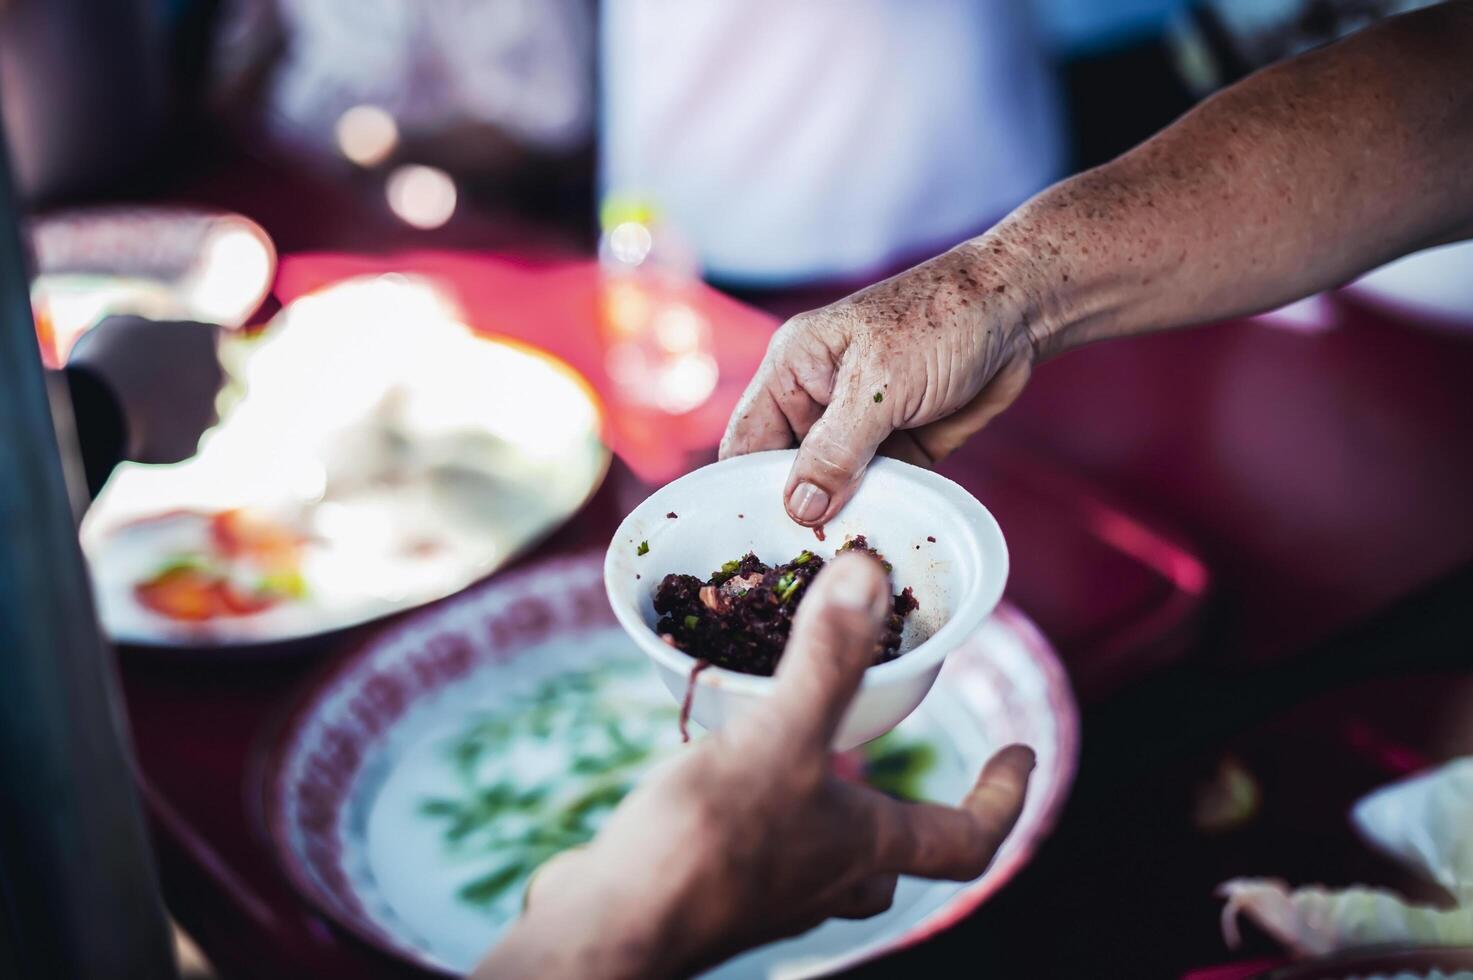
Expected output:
{"points": [[971, 608]]}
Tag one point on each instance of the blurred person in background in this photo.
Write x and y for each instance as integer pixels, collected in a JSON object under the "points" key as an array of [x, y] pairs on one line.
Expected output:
{"points": [[1300, 178], [834, 140], [496, 91], [791, 142]]}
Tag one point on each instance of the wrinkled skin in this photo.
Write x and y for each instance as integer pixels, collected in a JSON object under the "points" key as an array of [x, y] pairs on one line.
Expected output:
{"points": [[945, 345], [749, 836]]}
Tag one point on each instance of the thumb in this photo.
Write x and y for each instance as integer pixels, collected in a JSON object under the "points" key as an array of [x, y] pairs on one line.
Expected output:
{"points": [[956, 843], [557, 875], [836, 450], [832, 642]]}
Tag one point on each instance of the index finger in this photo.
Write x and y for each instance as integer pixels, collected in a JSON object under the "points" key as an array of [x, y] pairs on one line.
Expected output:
{"points": [[787, 394], [757, 422], [956, 843], [835, 452]]}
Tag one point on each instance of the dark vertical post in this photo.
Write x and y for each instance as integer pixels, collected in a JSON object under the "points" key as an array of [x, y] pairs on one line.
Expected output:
{"points": [[78, 896]]}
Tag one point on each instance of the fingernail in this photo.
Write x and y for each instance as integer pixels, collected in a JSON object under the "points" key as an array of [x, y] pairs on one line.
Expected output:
{"points": [[1026, 758], [853, 586], [808, 502]]}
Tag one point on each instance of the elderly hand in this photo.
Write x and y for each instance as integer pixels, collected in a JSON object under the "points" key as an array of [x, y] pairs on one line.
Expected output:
{"points": [[1297, 179], [749, 836], [165, 377], [922, 360]]}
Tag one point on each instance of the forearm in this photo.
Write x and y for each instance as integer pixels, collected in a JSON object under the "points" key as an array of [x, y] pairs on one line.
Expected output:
{"points": [[1295, 180]]}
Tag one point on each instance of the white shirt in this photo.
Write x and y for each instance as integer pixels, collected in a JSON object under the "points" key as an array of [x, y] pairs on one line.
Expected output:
{"points": [[792, 140]]}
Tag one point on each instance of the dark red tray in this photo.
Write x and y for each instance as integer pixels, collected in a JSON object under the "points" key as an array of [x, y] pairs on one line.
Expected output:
{"points": [[1115, 595]]}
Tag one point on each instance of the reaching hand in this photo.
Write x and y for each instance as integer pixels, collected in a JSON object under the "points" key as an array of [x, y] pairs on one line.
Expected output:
{"points": [[749, 836], [922, 360]]}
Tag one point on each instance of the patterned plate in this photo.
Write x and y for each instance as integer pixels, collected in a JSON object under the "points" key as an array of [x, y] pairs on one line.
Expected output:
{"points": [[418, 784]]}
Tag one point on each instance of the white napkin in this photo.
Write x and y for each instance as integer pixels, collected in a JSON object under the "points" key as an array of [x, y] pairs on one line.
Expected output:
{"points": [[1425, 822]]}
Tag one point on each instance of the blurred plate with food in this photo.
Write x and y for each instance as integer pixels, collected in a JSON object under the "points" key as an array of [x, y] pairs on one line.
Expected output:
{"points": [[164, 263], [417, 787], [375, 453]]}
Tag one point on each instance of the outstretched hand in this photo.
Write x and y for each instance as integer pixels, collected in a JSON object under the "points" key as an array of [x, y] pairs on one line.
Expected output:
{"points": [[750, 836], [915, 364]]}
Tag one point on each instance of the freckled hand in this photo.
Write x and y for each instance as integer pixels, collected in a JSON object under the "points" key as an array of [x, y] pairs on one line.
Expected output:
{"points": [[909, 367]]}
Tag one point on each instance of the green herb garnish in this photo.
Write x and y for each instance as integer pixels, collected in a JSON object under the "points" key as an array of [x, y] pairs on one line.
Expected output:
{"points": [[691, 622], [804, 558], [728, 570], [879, 397], [643, 549], [787, 586]]}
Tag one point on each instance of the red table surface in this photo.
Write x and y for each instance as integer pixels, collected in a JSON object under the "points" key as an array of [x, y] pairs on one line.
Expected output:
{"points": [[1321, 477]]}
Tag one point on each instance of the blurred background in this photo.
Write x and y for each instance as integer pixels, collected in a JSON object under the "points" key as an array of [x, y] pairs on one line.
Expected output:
{"points": [[779, 143], [626, 198]]}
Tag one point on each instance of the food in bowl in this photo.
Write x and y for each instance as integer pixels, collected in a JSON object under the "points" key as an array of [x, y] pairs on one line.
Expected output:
{"points": [[740, 616], [958, 578]]}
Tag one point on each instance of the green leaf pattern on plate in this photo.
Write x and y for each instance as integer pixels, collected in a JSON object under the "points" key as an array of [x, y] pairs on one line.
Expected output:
{"points": [[543, 773]]}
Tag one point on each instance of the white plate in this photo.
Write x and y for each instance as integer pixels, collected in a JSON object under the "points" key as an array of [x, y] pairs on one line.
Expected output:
{"points": [[348, 785], [414, 455]]}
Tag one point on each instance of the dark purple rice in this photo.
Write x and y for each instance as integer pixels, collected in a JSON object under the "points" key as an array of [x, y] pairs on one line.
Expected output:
{"points": [[739, 618]]}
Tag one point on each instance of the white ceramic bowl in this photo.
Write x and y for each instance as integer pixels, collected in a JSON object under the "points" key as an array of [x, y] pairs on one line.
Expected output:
{"points": [[735, 506]]}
